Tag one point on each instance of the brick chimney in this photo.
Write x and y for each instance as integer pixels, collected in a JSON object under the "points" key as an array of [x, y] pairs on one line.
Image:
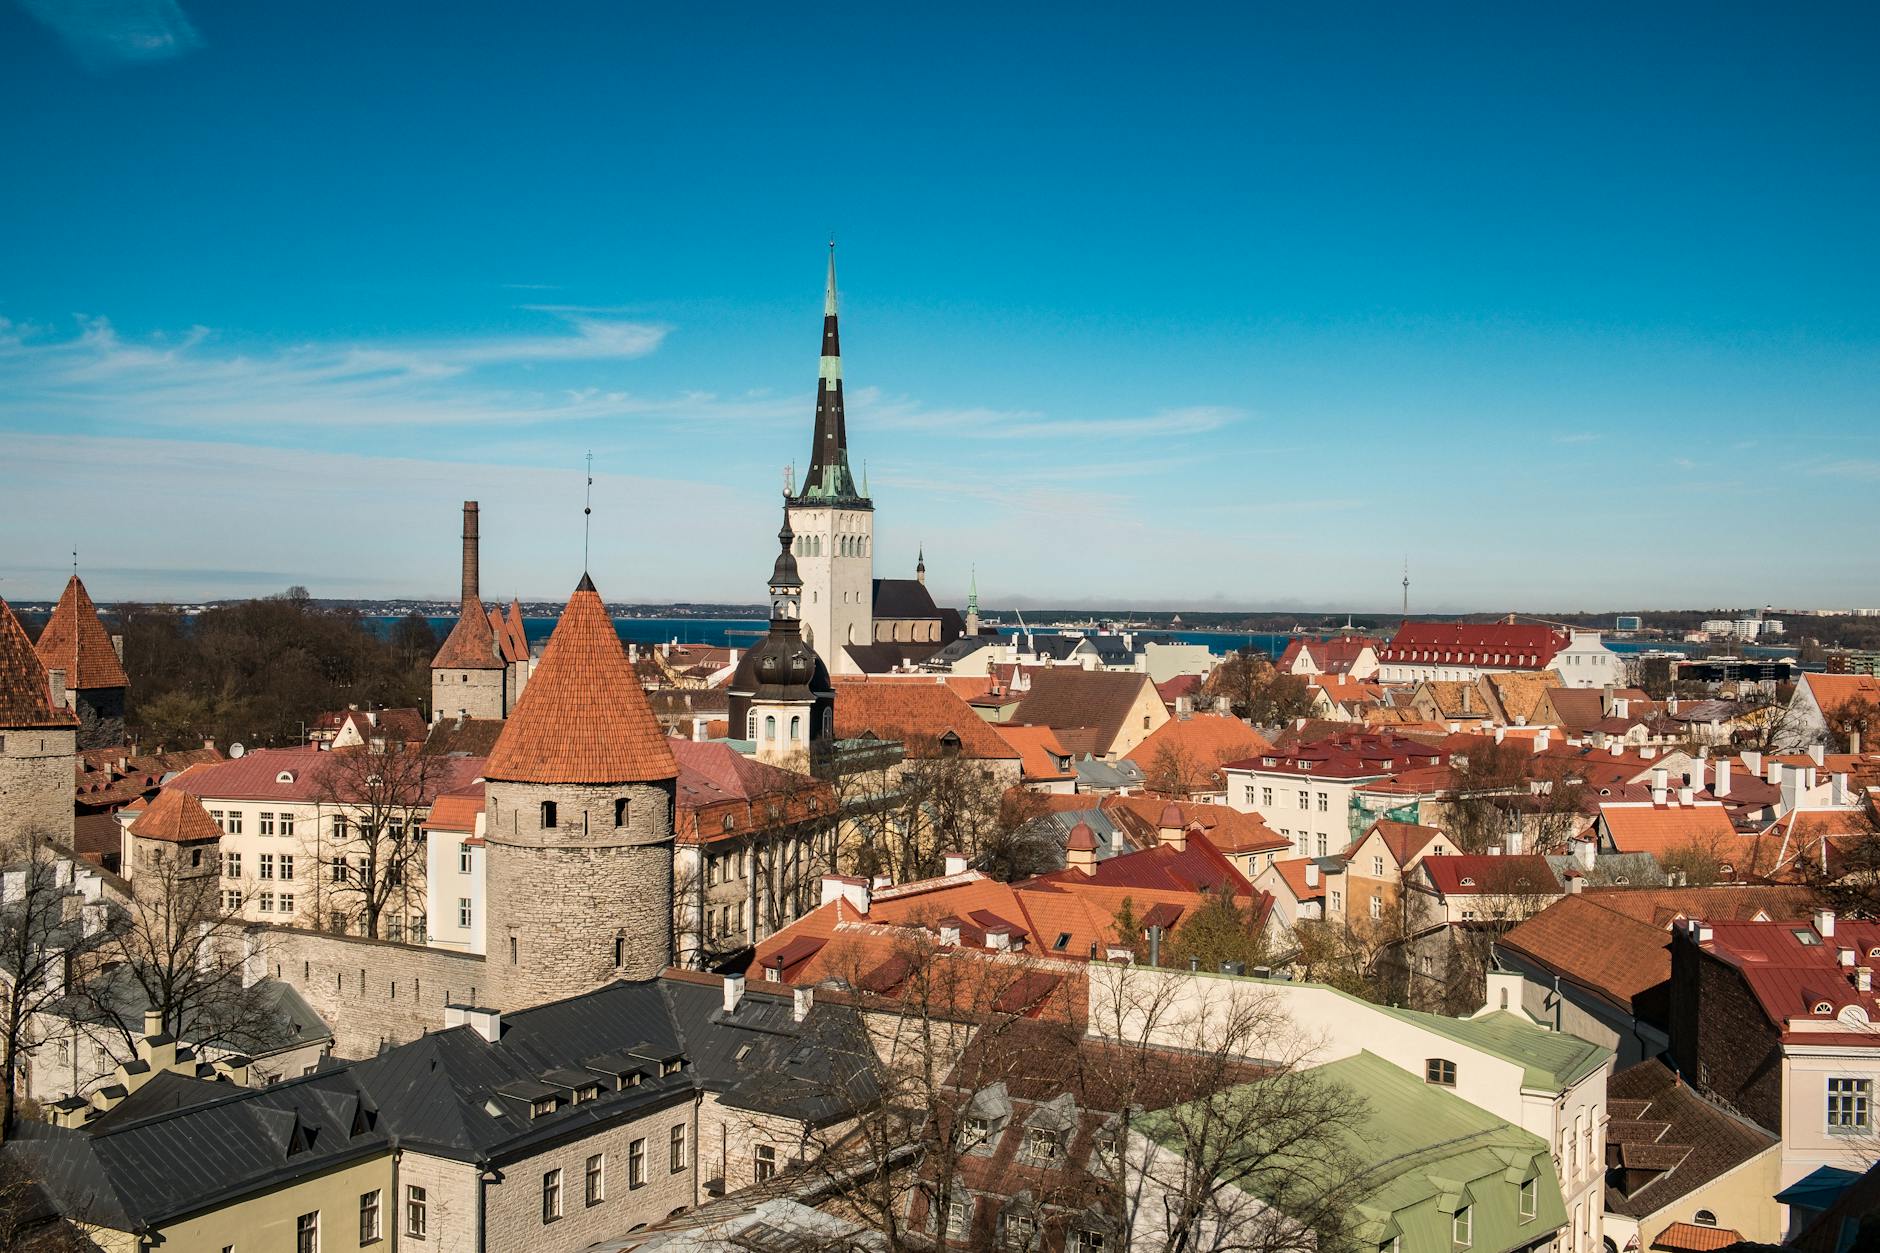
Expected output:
{"points": [[470, 591], [55, 684]]}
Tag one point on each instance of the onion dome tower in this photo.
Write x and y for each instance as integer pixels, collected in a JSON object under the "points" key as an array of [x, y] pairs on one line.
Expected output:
{"points": [[579, 804], [781, 698]]}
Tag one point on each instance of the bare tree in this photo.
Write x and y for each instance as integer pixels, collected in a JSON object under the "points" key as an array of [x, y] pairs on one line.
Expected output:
{"points": [[192, 961], [1256, 690], [40, 947], [371, 863]]}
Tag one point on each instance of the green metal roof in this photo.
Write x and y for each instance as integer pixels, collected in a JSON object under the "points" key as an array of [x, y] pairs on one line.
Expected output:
{"points": [[1553, 1060], [1421, 1154]]}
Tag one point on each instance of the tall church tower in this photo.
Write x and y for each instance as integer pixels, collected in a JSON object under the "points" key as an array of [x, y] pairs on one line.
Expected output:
{"points": [[833, 523]]}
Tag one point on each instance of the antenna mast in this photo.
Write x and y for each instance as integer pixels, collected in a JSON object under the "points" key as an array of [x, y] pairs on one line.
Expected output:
{"points": [[587, 513], [1406, 585]]}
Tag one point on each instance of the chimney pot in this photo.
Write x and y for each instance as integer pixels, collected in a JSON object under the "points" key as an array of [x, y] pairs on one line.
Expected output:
{"points": [[1721, 788], [1824, 923], [734, 992]]}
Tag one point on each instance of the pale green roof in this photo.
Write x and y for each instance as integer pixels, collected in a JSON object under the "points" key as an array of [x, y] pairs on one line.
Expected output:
{"points": [[1421, 1153], [1553, 1060]]}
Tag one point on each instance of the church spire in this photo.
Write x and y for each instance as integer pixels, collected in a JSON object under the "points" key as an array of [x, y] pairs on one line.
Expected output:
{"points": [[972, 602], [829, 476]]}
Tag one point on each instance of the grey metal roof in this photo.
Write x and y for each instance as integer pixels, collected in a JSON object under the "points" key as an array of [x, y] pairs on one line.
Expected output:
{"points": [[1094, 773], [760, 1059]]}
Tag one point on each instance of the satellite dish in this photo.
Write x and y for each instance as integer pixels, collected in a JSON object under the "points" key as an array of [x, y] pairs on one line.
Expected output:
{"points": [[236, 749]]}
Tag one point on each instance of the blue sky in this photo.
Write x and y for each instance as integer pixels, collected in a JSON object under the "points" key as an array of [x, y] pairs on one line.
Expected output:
{"points": [[1195, 307]]}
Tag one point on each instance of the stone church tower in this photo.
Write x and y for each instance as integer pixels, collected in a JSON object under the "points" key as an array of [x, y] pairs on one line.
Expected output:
{"points": [[781, 698], [38, 748], [833, 523], [578, 838]]}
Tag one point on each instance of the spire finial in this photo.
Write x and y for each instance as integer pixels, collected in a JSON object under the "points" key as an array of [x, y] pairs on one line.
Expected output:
{"points": [[587, 513]]}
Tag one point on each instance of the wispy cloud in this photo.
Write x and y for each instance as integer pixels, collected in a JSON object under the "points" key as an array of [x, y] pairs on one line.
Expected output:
{"points": [[1862, 469], [903, 414], [1578, 437], [104, 34]]}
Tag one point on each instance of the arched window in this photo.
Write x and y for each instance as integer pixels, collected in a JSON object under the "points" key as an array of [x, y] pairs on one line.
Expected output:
{"points": [[1704, 1218], [1440, 1070], [750, 725], [796, 728], [770, 726], [548, 814]]}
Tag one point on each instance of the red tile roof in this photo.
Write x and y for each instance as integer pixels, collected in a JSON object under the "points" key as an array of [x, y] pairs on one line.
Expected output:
{"points": [[1066, 697], [583, 717], [1831, 691], [177, 817], [1405, 840], [1663, 829], [1202, 740], [1334, 656], [717, 781], [456, 812], [1346, 755], [1039, 752], [1197, 867], [25, 697], [918, 715], [1227, 830], [471, 644], [1478, 874], [1663, 907], [75, 641], [1795, 974], [1691, 1238], [292, 775], [1497, 644]]}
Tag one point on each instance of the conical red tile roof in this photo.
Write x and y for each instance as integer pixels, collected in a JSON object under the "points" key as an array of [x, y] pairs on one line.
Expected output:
{"points": [[470, 645], [25, 698], [582, 718], [76, 642], [176, 816]]}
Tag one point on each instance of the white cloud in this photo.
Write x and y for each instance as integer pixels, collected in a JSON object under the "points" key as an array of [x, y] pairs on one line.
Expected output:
{"points": [[103, 34]]}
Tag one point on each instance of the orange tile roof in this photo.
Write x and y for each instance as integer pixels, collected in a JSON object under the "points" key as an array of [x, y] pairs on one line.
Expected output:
{"points": [[177, 817], [25, 697], [1615, 955], [1663, 907], [1207, 740], [1831, 691], [1691, 1238], [456, 812], [75, 641], [1404, 839], [471, 645], [1659, 829], [582, 718], [1228, 830], [916, 714], [1039, 752], [1292, 872]]}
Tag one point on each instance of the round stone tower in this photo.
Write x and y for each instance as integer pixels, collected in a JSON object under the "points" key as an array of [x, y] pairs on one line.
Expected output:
{"points": [[578, 840], [38, 745]]}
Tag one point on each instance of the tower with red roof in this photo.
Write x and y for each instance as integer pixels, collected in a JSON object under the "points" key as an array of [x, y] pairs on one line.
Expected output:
{"points": [[38, 748], [76, 642], [469, 675], [578, 822]]}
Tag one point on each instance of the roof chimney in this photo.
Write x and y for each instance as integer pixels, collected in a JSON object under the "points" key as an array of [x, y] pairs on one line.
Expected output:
{"points": [[55, 683], [734, 992], [1312, 874], [1863, 978], [1660, 785], [802, 1000], [856, 892], [470, 591], [487, 1023], [1721, 788], [955, 863], [1824, 923]]}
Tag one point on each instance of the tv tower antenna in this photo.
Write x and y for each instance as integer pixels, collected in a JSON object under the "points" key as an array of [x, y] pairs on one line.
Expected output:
{"points": [[1406, 585]]}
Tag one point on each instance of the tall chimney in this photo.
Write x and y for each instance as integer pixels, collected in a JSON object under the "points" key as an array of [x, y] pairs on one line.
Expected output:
{"points": [[470, 591]]}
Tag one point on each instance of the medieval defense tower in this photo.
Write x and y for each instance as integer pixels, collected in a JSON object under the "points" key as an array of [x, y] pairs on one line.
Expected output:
{"points": [[579, 808], [833, 523]]}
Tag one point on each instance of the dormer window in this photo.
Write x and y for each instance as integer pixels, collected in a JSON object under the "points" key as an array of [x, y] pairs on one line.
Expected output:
{"points": [[1043, 1143], [544, 1106], [285, 776], [587, 1093], [1440, 1070], [1823, 1007]]}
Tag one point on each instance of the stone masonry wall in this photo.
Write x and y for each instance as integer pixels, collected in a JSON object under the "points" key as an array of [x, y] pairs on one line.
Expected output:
{"points": [[372, 991], [450, 1204], [478, 693], [559, 897], [36, 785], [513, 1208]]}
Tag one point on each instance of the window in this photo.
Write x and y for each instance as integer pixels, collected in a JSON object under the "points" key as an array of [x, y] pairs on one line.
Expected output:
{"points": [[1084, 1242], [1322, 844], [1462, 1228], [339, 826], [620, 812], [1377, 909], [266, 904], [595, 1189], [1850, 1104], [287, 865], [1440, 1070], [1530, 1193], [231, 900], [551, 1182], [287, 902], [958, 1218], [796, 729], [1305, 800], [1704, 1218], [231, 865], [395, 928], [307, 1233], [415, 1212], [548, 814], [766, 1164], [1324, 803], [1042, 1142], [339, 870], [267, 865], [1266, 797], [1020, 1231], [287, 824], [463, 859], [770, 726], [369, 1216], [463, 912], [636, 1164], [265, 824], [235, 828], [675, 1149], [1377, 867]]}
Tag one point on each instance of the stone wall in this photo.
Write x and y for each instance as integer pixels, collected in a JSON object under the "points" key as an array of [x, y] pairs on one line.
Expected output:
{"points": [[372, 992], [477, 693], [513, 1208], [36, 785], [450, 1204], [559, 897]]}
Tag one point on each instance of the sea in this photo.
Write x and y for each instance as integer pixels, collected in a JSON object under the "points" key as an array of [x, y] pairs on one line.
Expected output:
{"points": [[745, 632]]}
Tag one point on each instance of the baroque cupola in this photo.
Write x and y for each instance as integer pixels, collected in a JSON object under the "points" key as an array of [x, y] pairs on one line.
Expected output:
{"points": [[780, 696]]}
